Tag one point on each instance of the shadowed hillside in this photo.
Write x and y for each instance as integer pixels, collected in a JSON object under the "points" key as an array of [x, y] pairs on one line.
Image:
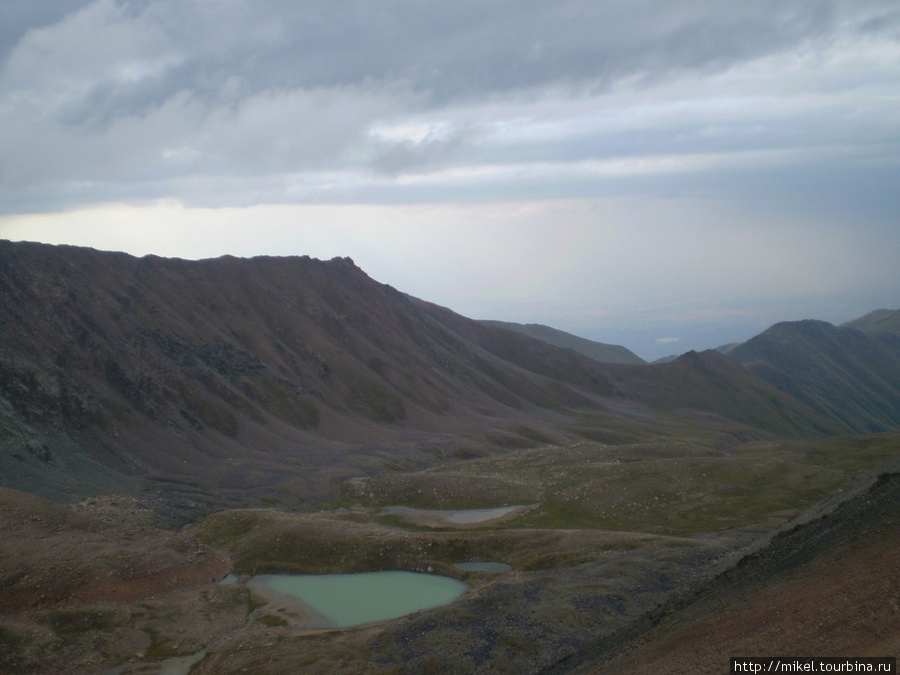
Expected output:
{"points": [[232, 379], [598, 351], [882, 322], [697, 386], [114, 366], [707, 383], [849, 373]]}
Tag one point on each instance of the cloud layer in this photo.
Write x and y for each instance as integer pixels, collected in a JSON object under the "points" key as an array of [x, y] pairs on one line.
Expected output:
{"points": [[336, 101]]}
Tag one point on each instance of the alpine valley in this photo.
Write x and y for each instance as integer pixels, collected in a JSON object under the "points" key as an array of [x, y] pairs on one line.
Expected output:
{"points": [[165, 423]]}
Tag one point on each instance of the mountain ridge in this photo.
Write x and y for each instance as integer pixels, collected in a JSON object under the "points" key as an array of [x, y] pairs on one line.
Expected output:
{"points": [[115, 368], [877, 322], [845, 373], [599, 351]]}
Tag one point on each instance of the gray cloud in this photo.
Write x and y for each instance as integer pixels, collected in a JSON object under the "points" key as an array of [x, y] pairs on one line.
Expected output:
{"points": [[132, 91], [178, 88], [773, 111], [465, 48], [17, 17]]}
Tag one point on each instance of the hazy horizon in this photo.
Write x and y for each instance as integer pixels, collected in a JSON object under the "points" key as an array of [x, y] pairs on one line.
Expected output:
{"points": [[662, 175]]}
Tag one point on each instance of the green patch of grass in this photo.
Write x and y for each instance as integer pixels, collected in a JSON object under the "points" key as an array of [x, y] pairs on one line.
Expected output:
{"points": [[160, 647], [677, 490], [668, 487], [445, 488], [272, 621], [288, 404]]}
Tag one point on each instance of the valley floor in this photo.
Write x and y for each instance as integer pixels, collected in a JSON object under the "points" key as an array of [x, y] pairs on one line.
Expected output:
{"points": [[671, 554]]}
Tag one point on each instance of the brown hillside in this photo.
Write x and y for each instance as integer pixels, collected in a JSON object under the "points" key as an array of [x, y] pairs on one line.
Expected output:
{"points": [[231, 379], [55, 556]]}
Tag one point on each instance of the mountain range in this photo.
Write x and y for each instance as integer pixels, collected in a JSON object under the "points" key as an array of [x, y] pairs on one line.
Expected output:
{"points": [[115, 370]]}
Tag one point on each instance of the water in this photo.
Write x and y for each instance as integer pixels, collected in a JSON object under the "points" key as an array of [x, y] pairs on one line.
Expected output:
{"points": [[434, 517], [341, 600], [483, 567], [479, 515], [354, 599]]}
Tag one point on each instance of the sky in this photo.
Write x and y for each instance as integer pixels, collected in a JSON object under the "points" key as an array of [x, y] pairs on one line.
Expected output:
{"points": [[663, 174]]}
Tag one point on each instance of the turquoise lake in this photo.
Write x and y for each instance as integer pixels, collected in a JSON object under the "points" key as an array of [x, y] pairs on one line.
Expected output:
{"points": [[354, 599]]}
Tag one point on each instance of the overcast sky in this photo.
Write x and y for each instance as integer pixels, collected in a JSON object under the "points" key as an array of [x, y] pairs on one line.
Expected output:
{"points": [[663, 174]]}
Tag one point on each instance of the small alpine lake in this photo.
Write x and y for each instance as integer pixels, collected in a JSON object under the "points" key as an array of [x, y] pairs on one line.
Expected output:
{"points": [[490, 567], [459, 518], [345, 600]]}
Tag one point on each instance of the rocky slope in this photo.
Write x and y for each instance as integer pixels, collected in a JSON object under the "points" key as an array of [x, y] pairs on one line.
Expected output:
{"points": [[86, 586], [230, 380]]}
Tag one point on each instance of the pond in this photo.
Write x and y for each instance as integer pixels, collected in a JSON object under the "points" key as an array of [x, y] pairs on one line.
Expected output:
{"points": [[483, 567], [456, 517], [345, 600], [336, 600]]}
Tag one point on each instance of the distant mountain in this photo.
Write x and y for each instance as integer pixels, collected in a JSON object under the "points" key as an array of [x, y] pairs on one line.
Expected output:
{"points": [[232, 379], [849, 373], [708, 381], [880, 322], [722, 349], [604, 353], [704, 386]]}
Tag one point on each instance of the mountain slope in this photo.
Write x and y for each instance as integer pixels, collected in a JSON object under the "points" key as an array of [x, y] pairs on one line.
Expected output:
{"points": [[825, 586], [879, 322], [115, 366], [232, 379], [604, 353], [705, 384], [844, 373]]}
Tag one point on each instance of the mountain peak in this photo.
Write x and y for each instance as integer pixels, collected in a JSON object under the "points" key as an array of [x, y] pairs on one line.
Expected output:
{"points": [[849, 373]]}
